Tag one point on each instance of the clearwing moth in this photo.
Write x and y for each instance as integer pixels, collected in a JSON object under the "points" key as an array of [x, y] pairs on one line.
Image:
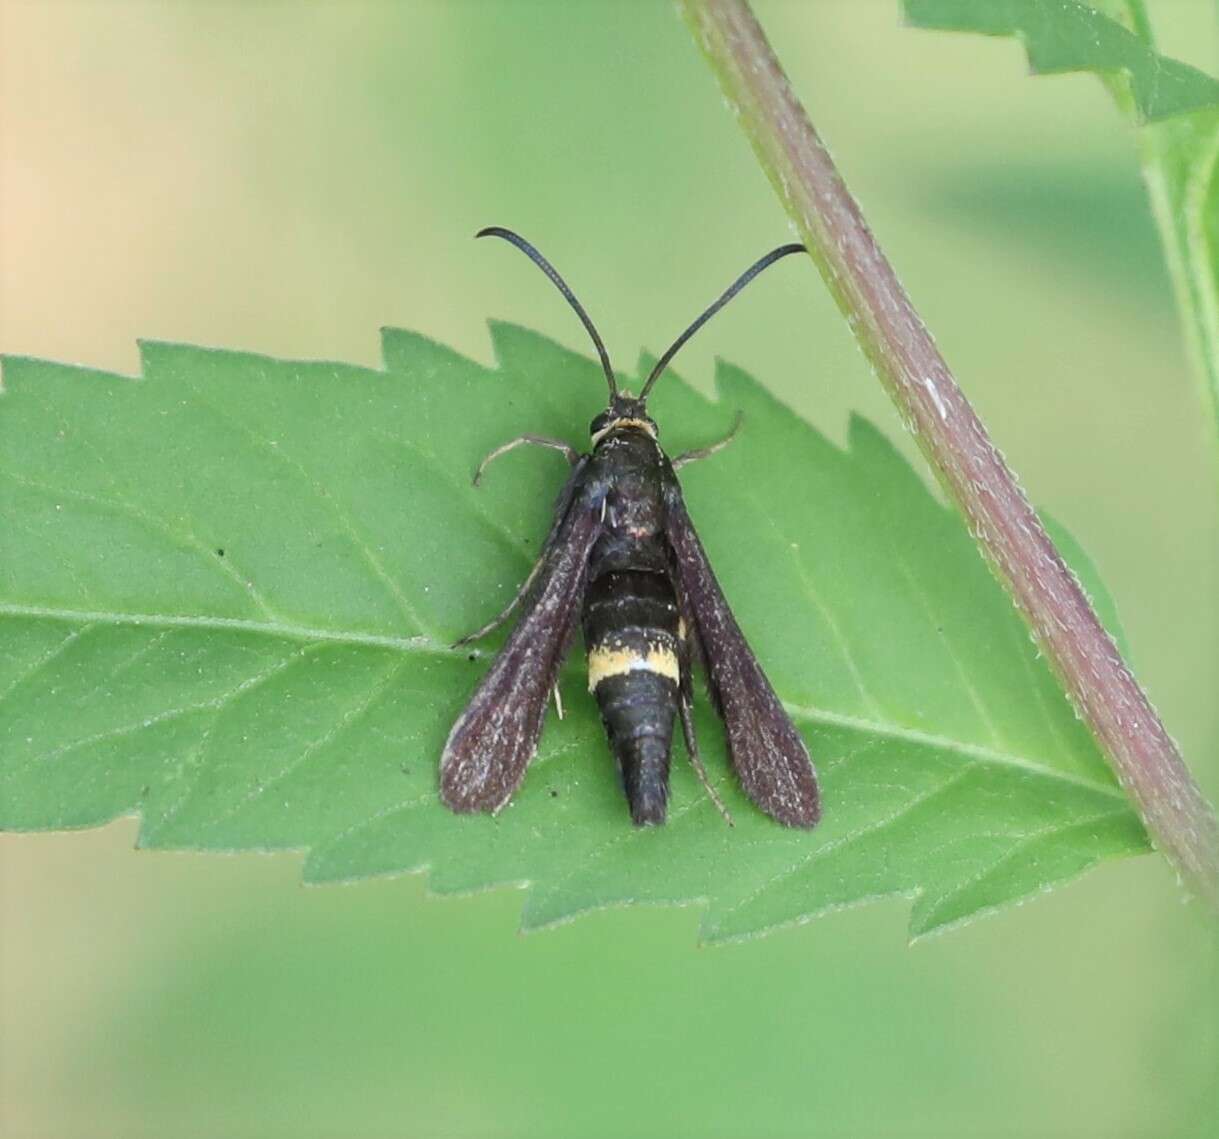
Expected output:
{"points": [[623, 560]]}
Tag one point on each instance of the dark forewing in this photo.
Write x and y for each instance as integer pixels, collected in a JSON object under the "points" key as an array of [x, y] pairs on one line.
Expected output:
{"points": [[495, 737], [767, 752]]}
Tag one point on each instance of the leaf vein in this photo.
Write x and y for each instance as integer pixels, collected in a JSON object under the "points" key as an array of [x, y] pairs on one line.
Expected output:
{"points": [[1019, 845], [968, 751], [919, 590], [45, 660], [420, 644], [813, 594], [849, 839], [507, 538], [350, 716], [193, 761], [186, 538], [337, 511]]}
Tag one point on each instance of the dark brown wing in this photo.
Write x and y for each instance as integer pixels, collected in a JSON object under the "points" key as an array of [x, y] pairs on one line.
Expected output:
{"points": [[496, 736], [767, 752]]}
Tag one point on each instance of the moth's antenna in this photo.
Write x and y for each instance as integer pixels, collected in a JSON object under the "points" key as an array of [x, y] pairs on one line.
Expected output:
{"points": [[732, 290], [550, 271]]}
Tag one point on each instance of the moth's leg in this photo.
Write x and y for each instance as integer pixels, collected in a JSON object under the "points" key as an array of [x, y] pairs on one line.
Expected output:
{"points": [[504, 614], [559, 513], [684, 705], [569, 453], [706, 452], [690, 646], [558, 700]]}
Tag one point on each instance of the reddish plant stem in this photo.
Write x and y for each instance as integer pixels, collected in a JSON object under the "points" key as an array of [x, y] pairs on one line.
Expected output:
{"points": [[952, 438]]}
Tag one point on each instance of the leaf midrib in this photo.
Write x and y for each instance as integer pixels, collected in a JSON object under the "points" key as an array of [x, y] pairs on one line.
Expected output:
{"points": [[424, 645], [974, 752], [416, 644]]}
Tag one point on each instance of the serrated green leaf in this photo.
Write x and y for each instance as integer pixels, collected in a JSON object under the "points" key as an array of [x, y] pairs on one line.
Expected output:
{"points": [[1178, 106], [227, 588], [1062, 36]]}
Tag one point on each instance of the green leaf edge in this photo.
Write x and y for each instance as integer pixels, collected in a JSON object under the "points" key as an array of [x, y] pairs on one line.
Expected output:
{"points": [[1179, 158], [1160, 87]]}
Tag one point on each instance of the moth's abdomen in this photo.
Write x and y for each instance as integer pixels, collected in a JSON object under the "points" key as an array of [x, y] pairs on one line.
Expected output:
{"points": [[634, 654]]}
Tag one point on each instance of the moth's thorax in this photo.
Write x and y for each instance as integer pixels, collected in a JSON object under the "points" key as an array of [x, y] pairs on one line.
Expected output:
{"points": [[631, 468], [628, 445], [631, 463], [634, 508]]}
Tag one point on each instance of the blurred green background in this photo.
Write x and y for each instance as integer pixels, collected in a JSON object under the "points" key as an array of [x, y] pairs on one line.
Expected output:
{"points": [[287, 178]]}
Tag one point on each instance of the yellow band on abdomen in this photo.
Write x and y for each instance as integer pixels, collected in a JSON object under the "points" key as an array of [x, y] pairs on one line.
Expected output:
{"points": [[617, 660]]}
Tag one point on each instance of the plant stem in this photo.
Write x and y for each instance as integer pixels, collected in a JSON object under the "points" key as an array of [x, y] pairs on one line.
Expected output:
{"points": [[1180, 163], [973, 473], [1179, 158]]}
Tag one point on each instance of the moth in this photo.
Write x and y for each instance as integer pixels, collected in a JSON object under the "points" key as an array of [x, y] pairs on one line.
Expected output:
{"points": [[623, 561]]}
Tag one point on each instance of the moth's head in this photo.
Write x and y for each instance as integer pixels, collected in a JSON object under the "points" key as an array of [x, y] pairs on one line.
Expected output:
{"points": [[625, 413]]}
